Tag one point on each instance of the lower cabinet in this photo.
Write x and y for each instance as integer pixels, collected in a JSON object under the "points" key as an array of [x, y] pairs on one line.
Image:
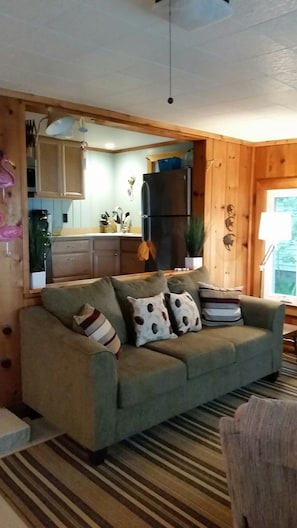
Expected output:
{"points": [[129, 261], [71, 259], [75, 258], [106, 256]]}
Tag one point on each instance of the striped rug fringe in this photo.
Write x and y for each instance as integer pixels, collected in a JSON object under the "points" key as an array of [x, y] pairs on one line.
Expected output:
{"points": [[170, 476]]}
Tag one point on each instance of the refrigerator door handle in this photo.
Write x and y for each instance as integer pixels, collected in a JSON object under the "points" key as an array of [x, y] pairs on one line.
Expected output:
{"points": [[146, 211], [146, 199]]}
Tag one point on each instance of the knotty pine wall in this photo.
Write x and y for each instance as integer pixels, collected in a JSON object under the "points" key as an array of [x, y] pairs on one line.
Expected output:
{"points": [[275, 167], [12, 142], [228, 182]]}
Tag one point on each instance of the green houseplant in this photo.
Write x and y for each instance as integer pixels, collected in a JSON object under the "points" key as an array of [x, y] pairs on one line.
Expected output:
{"points": [[39, 245], [194, 239]]}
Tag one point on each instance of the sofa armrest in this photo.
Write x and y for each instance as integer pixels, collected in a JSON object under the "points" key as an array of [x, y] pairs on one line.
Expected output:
{"points": [[263, 313], [68, 378]]}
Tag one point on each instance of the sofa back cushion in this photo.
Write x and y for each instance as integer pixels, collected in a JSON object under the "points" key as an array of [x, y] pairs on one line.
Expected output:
{"points": [[188, 281], [64, 303], [137, 288]]}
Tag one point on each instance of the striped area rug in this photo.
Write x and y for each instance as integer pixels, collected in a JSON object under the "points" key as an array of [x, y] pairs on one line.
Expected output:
{"points": [[171, 476]]}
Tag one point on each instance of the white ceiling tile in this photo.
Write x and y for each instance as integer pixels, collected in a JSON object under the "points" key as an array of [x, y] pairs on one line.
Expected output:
{"points": [[237, 77]]}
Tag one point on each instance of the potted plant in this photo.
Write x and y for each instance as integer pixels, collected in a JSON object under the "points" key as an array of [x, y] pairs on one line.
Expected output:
{"points": [[39, 245], [194, 239]]}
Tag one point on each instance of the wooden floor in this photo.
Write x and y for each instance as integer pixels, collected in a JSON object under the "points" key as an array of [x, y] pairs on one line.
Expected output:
{"points": [[8, 517], [40, 432]]}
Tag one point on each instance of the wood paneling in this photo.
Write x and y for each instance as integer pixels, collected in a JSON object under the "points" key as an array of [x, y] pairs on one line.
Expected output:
{"points": [[275, 168], [228, 182], [12, 139]]}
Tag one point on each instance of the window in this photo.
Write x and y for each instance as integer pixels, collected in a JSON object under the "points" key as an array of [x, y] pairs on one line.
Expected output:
{"points": [[280, 275]]}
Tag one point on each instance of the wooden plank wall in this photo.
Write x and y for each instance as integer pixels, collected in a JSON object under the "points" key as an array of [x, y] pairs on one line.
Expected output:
{"points": [[12, 142], [275, 167], [228, 185]]}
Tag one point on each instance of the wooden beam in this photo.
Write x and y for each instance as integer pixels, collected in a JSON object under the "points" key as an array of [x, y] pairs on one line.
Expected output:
{"points": [[101, 116]]}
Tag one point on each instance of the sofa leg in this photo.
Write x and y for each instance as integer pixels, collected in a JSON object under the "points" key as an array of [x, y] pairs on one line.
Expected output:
{"points": [[272, 377], [97, 457]]}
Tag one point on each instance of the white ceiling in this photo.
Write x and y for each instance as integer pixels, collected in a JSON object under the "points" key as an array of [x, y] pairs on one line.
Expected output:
{"points": [[102, 137], [237, 77]]}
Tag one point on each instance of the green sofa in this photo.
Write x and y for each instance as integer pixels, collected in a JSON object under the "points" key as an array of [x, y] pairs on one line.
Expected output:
{"points": [[81, 387]]}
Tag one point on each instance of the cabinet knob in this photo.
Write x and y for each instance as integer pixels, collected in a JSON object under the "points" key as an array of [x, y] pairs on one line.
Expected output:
{"points": [[116, 254]]}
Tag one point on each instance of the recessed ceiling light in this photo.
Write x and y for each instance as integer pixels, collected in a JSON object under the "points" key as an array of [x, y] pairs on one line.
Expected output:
{"points": [[109, 146]]}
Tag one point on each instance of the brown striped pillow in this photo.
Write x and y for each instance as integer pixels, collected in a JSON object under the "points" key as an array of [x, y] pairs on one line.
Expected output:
{"points": [[220, 306], [93, 323]]}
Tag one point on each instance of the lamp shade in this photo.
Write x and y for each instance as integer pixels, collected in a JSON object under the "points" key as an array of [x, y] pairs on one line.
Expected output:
{"points": [[59, 124], [275, 226], [190, 14]]}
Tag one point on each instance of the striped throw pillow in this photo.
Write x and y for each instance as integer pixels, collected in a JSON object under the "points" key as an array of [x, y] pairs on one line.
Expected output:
{"points": [[93, 323], [220, 306]]}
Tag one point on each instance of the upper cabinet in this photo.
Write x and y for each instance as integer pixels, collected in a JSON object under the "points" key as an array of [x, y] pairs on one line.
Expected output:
{"points": [[60, 172]]}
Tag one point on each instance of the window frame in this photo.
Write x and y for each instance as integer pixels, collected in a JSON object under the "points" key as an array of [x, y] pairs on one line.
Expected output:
{"points": [[262, 186]]}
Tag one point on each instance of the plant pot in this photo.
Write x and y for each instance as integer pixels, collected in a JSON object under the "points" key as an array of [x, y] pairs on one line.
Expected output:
{"points": [[193, 262], [37, 279]]}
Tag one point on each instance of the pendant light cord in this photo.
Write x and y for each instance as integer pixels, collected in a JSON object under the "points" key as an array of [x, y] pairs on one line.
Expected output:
{"points": [[170, 98]]}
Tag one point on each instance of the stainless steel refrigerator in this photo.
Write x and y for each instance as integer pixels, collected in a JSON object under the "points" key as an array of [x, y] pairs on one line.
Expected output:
{"points": [[166, 207]]}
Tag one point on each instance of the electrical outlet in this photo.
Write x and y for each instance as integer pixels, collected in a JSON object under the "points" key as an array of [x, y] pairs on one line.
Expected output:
{"points": [[65, 218]]}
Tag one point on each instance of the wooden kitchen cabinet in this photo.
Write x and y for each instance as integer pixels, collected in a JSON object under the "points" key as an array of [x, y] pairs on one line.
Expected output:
{"points": [[71, 259], [106, 256], [60, 172], [129, 260]]}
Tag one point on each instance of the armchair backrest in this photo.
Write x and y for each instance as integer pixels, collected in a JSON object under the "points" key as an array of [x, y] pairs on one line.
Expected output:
{"points": [[260, 449]]}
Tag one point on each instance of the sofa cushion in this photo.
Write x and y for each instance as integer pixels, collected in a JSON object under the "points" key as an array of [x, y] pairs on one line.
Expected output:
{"points": [[220, 306], [188, 281], [144, 374], [93, 324], [249, 341], [200, 351], [184, 312], [137, 288], [64, 303], [151, 319]]}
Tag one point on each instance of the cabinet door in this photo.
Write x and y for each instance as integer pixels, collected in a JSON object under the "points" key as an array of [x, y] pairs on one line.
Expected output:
{"points": [[60, 171], [106, 257], [49, 168], [129, 261], [71, 259], [73, 170]]}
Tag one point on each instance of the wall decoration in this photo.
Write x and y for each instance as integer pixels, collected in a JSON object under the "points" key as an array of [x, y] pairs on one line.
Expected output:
{"points": [[7, 178], [9, 232], [131, 182], [228, 239]]}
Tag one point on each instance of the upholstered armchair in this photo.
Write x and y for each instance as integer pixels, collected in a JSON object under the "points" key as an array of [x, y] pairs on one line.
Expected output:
{"points": [[260, 450]]}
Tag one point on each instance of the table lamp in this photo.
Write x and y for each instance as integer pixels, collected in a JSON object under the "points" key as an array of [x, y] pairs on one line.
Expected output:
{"points": [[274, 227]]}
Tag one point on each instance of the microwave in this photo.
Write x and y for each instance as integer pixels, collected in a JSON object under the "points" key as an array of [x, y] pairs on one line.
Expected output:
{"points": [[31, 176]]}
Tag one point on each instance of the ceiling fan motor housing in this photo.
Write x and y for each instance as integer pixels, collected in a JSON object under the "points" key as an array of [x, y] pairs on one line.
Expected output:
{"points": [[191, 14]]}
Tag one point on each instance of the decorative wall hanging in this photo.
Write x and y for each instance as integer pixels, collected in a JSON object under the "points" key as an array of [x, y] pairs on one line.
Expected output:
{"points": [[228, 239], [7, 178], [9, 232], [131, 182]]}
